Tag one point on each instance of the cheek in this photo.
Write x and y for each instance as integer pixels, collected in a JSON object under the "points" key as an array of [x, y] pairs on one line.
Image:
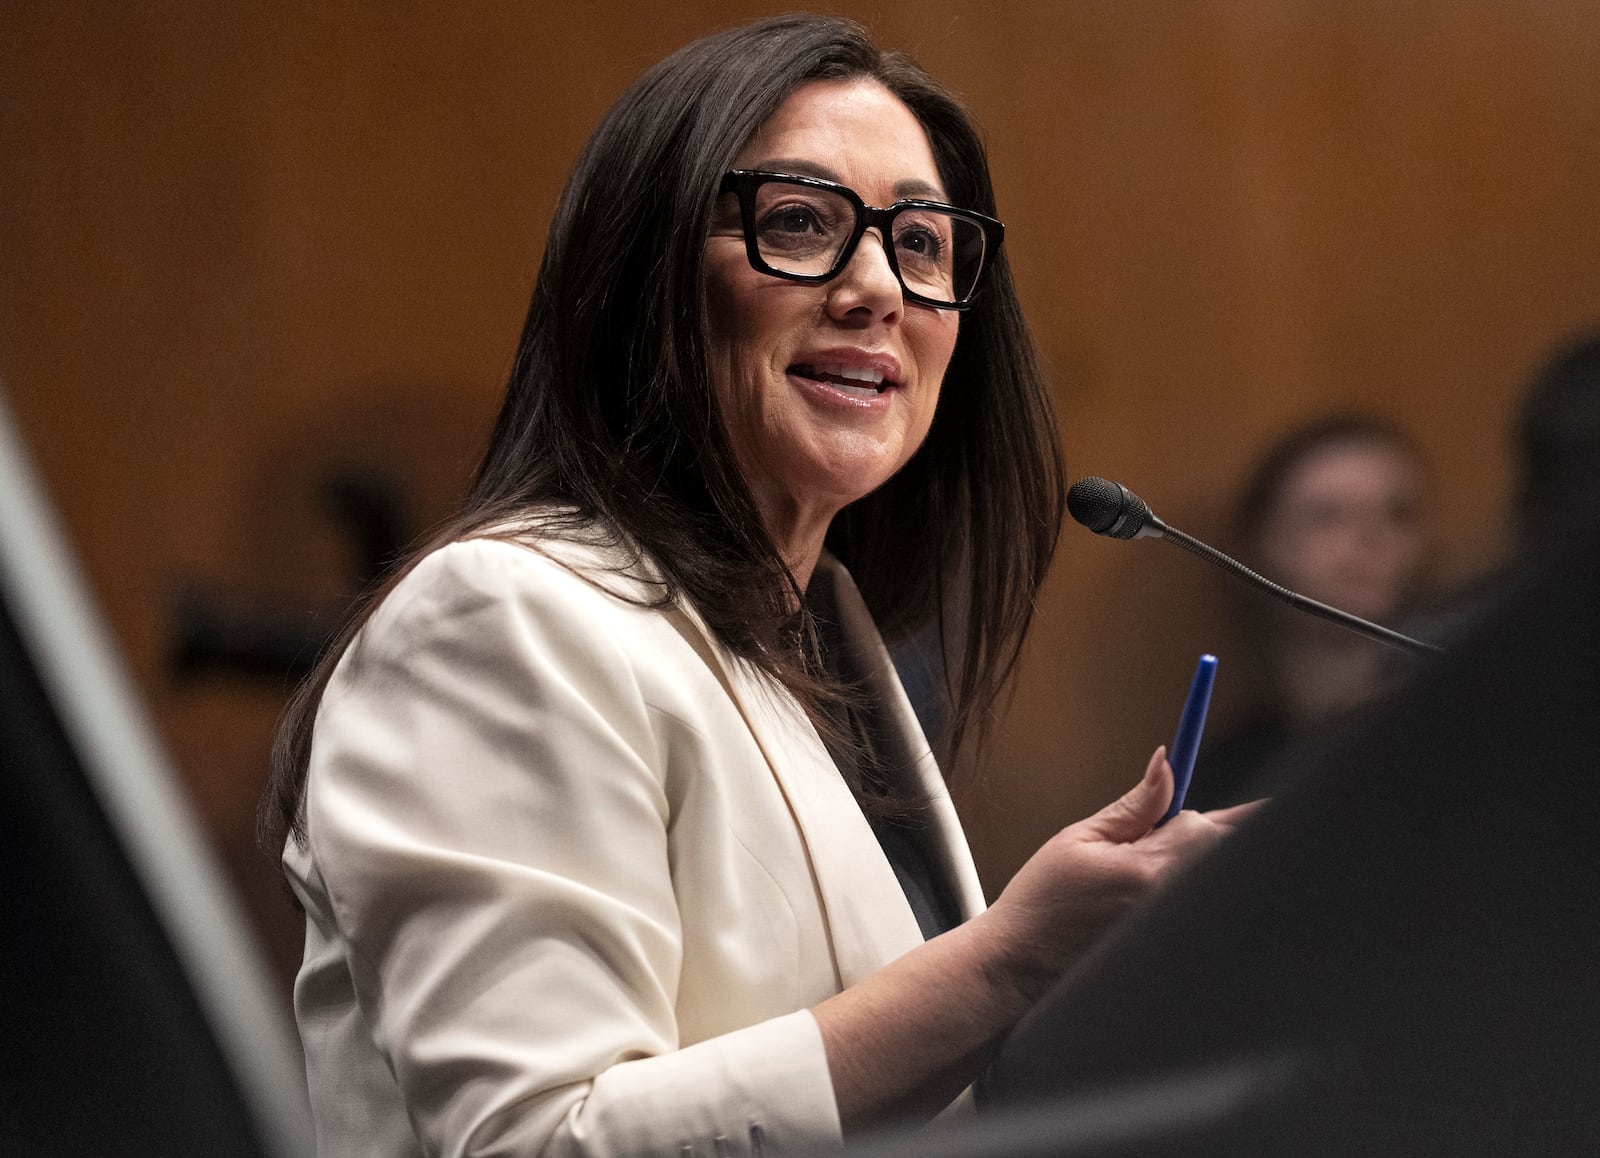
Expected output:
{"points": [[740, 381], [943, 341], [747, 322], [935, 347], [727, 356], [1406, 552], [1291, 552]]}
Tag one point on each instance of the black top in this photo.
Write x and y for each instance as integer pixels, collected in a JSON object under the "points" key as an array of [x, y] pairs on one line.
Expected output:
{"points": [[902, 837], [924, 886]]}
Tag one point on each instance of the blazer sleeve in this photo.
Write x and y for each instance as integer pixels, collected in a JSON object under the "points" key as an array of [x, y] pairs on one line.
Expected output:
{"points": [[488, 812]]}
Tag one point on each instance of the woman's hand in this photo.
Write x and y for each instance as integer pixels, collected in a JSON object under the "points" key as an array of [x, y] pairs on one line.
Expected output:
{"points": [[1087, 875], [904, 1041]]}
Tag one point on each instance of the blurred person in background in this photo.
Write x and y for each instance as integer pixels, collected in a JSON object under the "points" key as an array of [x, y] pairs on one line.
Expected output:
{"points": [[1336, 510]]}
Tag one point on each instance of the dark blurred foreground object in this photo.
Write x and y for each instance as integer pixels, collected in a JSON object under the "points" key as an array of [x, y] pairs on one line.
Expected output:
{"points": [[1556, 439], [1558, 443], [136, 1018], [1397, 957]]}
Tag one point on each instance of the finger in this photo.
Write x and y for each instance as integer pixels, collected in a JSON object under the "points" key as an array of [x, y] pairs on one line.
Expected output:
{"points": [[1136, 811], [1186, 837], [1233, 817]]}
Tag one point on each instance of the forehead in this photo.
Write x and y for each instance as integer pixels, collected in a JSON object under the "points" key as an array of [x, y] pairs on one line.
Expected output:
{"points": [[855, 132], [1354, 468]]}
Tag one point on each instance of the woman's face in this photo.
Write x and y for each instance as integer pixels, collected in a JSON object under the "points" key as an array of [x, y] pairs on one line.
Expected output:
{"points": [[787, 359], [1347, 528]]}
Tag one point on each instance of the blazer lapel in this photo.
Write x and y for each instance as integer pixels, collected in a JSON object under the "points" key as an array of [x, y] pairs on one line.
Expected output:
{"points": [[867, 915], [944, 839], [868, 918]]}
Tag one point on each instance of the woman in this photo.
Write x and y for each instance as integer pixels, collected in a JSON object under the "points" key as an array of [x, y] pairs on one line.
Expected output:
{"points": [[614, 830], [1336, 510]]}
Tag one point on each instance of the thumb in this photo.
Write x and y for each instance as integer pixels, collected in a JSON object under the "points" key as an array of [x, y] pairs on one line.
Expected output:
{"points": [[1135, 813]]}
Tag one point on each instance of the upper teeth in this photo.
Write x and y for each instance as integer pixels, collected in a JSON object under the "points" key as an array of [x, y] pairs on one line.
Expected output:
{"points": [[854, 373]]}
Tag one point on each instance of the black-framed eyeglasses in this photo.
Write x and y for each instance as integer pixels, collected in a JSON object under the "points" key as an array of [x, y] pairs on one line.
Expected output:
{"points": [[806, 229]]}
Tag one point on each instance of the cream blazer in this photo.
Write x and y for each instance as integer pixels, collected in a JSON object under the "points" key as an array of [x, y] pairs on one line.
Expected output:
{"points": [[573, 876]]}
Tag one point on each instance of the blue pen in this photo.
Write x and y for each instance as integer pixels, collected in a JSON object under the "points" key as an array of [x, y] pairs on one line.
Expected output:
{"points": [[1191, 726]]}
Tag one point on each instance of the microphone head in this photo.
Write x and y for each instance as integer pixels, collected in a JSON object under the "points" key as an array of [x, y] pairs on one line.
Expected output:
{"points": [[1108, 508]]}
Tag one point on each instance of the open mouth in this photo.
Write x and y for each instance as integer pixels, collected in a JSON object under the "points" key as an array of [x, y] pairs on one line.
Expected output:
{"points": [[858, 381]]}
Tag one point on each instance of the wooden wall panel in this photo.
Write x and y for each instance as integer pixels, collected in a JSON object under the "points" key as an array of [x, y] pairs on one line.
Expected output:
{"points": [[244, 243]]}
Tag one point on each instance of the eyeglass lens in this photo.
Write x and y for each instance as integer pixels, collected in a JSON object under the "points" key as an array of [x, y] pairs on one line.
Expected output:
{"points": [[802, 230]]}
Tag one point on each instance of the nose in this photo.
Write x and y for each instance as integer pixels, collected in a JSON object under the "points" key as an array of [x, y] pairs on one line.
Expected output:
{"points": [[866, 289]]}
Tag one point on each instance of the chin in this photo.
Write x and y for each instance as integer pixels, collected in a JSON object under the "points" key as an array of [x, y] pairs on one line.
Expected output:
{"points": [[856, 481]]}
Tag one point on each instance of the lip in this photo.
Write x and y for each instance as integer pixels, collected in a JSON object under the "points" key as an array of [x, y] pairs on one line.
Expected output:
{"points": [[854, 358], [838, 401]]}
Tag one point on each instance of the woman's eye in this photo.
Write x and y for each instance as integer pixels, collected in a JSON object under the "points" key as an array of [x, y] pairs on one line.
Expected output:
{"points": [[792, 219], [920, 241]]}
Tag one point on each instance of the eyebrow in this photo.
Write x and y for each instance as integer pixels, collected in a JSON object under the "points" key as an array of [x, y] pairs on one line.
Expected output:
{"points": [[803, 168]]}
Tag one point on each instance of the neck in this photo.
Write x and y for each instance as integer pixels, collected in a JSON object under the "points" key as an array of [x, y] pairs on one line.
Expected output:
{"points": [[798, 531], [1325, 672]]}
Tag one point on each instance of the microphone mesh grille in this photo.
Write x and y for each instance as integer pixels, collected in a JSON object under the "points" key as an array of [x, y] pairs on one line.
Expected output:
{"points": [[1096, 503]]}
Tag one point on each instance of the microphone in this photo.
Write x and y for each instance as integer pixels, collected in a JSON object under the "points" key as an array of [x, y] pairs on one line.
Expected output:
{"points": [[1111, 509]]}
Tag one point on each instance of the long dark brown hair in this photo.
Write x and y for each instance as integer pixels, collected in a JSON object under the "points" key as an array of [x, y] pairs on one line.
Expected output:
{"points": [[608, 418]]}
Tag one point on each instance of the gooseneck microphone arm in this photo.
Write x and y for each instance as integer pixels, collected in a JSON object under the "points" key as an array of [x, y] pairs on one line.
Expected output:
{"points": [[1111, 509]]}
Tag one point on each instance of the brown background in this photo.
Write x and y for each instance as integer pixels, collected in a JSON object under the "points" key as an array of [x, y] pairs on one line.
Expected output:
{"points": [[242, 243]]}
